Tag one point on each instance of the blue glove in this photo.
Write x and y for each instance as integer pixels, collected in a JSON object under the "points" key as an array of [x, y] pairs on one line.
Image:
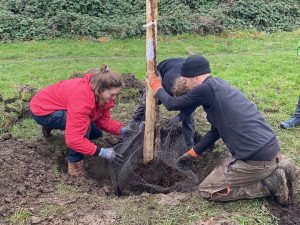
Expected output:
{"points": [[126, 130], [111, 156]]}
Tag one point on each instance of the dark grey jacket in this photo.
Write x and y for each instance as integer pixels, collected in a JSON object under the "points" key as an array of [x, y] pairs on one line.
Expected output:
{"points": [[233, 117]]}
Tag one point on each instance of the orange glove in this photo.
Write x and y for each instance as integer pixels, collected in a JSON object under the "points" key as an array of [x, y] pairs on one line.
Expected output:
{"points": [[154, 82], [185, 162], [192, 153]]}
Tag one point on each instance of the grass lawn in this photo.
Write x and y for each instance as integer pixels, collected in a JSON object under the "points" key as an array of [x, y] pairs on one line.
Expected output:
{"points": [[264, 66]]}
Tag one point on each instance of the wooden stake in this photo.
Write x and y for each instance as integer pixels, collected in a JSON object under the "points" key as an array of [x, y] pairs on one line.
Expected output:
{"points": [[151, 105]]}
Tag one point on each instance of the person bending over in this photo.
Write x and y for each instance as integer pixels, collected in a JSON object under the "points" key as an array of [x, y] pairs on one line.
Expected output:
{"points": [[81, 107], [169, 71]]}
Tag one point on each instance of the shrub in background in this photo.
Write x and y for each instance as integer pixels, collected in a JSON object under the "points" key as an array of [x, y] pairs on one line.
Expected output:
{"points": [[41, 19]]}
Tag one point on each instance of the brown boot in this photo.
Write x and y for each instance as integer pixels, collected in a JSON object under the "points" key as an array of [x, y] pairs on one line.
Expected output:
{"points": [[291, 173], [277, 186], [76, 169]]}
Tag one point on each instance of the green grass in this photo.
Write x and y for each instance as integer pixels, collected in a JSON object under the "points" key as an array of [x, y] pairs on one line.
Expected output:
{"points": [[147, 210], [264, 66], [64, 190], [51, 210], [20, 217], [26, 129]]}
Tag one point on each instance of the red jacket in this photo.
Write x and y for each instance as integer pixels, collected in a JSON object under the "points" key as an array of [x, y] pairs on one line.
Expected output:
{"points": [[77, 98]]}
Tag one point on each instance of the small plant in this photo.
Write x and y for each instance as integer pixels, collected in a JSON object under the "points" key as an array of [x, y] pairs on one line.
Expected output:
{"points": [[48, 210], [64, 190], [20, 217]]}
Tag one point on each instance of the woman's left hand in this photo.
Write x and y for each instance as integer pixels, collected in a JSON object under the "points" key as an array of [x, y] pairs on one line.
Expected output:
{"points": [[126, 130]]}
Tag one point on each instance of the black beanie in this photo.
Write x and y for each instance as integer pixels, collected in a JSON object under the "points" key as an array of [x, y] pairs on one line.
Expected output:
{"points": [[195, 65]]}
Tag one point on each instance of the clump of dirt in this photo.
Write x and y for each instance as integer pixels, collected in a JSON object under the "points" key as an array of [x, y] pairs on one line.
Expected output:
{"points": [[131, 82], [16, 108], [132, 87], [132, 90], [129, 79]]}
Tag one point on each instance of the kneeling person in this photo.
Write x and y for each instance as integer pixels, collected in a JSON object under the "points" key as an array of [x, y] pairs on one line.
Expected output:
{"points": [[252, 169]]}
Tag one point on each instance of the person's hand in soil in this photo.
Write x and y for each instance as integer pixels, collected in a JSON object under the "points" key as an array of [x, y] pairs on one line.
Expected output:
{"points": [[154, 82], [111, 156], [126, 130], [185, 162], [173, 121]]}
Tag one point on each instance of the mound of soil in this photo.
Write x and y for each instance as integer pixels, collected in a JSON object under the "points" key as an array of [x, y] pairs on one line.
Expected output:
{"points": [[131, 82], [16, 108]]}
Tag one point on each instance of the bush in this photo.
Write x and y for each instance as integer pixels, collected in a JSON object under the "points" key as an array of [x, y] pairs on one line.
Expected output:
{"points": [[264, 15], [41, 19]]}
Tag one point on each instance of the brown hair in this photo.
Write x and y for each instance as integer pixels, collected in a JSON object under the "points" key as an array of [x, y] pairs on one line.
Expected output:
{"points": [[180, 87], [104, 79]]}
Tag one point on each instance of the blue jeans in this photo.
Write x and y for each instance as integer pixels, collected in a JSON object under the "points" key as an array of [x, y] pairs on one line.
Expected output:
{"points": [[57, 120]]}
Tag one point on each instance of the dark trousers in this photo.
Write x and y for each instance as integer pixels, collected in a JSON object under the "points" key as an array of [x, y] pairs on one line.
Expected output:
{"points": [[57, 120], [188, 123]]}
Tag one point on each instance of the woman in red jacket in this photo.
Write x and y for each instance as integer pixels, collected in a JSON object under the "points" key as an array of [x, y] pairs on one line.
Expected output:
{"points": [[81, 107]]}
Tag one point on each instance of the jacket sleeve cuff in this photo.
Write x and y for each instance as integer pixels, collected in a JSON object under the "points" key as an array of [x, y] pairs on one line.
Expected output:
{"points": [[97, 152]]}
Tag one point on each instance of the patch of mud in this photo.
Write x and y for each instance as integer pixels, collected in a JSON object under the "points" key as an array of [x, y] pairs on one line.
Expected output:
{"points": [[29, 174], [106, 217], [24, 176], [224, 219], [129, 79], [171, 199], [72, 210], [286, 215]]}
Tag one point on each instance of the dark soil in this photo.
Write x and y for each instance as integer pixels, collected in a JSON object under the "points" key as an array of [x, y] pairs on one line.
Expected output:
{"points": [[287, 216], [131, 82], [29, 179]]}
